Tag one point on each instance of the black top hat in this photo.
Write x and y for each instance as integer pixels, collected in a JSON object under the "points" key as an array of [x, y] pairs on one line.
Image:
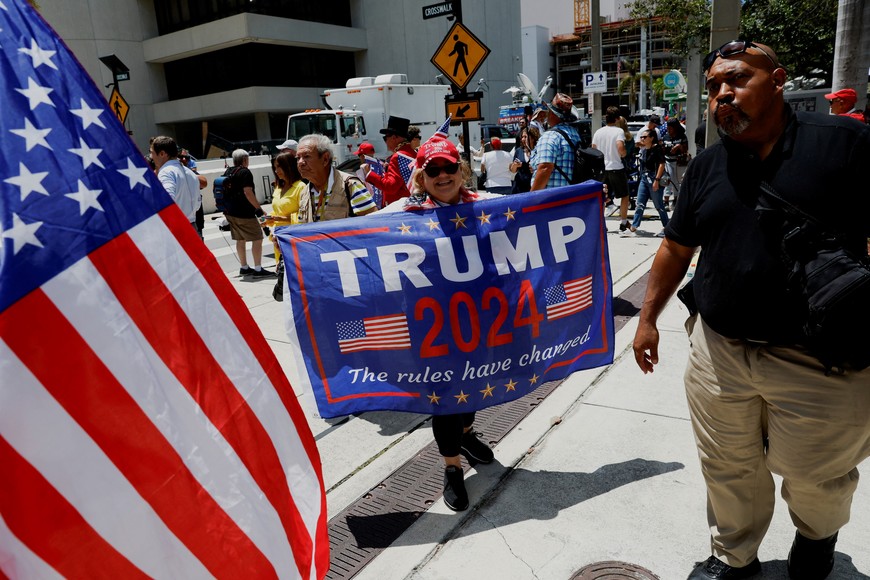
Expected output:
{"points": [[396, 126]]}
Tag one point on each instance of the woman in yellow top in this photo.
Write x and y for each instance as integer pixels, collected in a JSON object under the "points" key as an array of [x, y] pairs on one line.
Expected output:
{"points": [[285, 198]]}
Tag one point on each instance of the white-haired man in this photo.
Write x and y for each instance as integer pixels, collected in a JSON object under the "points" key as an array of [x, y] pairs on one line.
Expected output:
{"points": [[331, 194], [242, 212]]}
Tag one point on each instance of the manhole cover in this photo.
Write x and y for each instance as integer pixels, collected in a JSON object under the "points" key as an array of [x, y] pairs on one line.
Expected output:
{"points": [[613, 571]]}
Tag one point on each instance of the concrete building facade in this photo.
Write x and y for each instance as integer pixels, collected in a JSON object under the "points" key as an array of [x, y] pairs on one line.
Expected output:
{"points": [[222, 73]]}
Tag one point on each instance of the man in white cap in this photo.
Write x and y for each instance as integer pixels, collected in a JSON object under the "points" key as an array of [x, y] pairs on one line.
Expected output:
{"points": [[288, 144], [553, 158]]}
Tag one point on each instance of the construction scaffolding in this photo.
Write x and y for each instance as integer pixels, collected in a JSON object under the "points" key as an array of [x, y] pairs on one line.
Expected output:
{"points": [[581, 14]]}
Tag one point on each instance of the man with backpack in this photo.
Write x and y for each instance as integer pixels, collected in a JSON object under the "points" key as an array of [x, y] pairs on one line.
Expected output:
{"points": [[243, 211], [610, 140], [553, 157]]}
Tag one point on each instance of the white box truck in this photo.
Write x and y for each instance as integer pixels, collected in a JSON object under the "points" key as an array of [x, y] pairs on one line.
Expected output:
{"points": [[359, 111]]}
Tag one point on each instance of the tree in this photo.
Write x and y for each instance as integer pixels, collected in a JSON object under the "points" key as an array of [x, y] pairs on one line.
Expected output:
{"points": [[630, 82], [686, 22], [802, 32]]}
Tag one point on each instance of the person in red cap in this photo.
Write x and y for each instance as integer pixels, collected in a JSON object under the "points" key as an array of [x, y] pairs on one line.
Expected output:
{"points": [[393, 183], [365, 148], [438, 182], [843, 103]]}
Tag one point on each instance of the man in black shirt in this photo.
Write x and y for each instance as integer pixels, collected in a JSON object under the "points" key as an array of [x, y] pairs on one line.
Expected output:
{"points": [[243, 213], [749, 380]]}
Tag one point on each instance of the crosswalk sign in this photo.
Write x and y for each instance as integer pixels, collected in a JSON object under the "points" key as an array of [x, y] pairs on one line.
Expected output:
{"points": [[460, 55], [118, 105]]}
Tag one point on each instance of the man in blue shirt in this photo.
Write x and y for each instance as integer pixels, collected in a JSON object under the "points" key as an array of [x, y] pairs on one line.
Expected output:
{"points": [[553, 157]]}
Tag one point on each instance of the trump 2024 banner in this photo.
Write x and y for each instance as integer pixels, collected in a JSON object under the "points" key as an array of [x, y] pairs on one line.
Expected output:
{"points": [[453, 309]]}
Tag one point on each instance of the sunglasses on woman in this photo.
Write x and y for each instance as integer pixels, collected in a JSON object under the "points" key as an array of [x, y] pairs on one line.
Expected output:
{"points": [[732, 48], [435, 170]]}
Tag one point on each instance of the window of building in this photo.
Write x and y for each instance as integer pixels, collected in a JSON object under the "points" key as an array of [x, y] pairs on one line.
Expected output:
{"points": [[248, 65], [175, 15]]}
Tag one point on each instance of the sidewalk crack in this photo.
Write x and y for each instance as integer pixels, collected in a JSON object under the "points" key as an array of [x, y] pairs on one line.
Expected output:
{"points": [[506, 543]]}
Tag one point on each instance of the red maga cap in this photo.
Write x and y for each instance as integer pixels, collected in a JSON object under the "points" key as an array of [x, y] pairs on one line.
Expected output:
{"points": [[436, 148], [365, 148], [848, 95]]}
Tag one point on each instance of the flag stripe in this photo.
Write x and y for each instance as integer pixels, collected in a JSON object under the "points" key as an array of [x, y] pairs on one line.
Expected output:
{"points": [[42, 432], [279, 416], [103, 408], [100, 319], [222, 403], [19, 561], [45, 522]]}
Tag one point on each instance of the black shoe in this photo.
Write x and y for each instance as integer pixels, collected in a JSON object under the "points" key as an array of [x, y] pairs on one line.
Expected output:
{"points": [[263, 273], [623, 226], [455, 495], [811, 559], [474, 448], [716, 569], [246, 271]]}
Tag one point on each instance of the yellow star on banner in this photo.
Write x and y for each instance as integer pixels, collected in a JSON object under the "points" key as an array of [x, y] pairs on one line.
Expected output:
{"points": [[534, 379], [461, 398], [404, 229], [511, 386], [433, 398], [459, 221], [487, 392], [509, 214], [433, 225], [483, 217]]}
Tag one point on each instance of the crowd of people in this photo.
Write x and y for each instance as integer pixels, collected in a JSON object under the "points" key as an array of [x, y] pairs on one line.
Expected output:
{"points": [[758, 399]]}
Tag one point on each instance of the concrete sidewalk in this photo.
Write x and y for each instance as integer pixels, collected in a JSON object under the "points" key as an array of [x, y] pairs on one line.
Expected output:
{"points": [[604, 470]]}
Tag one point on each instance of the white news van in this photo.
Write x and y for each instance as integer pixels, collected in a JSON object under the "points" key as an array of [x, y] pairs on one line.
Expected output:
{"points": [[359, 111]]}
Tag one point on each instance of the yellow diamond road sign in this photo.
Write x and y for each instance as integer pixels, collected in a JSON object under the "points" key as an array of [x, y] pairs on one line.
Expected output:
{"points": [[118, 105], [460, 55]]}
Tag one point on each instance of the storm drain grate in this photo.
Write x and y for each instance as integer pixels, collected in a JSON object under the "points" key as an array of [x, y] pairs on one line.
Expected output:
{"points": [[362, 530], [613, 570]]}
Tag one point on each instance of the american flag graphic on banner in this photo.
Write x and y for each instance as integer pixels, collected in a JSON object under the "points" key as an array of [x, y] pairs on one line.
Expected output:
{"points": [[388, 332], [378, 169], [146, 428], [406, 167], [568, 298], [443, 131]]}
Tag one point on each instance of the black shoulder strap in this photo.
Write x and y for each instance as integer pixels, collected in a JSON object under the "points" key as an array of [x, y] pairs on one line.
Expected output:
{"points": [[573, 150]]}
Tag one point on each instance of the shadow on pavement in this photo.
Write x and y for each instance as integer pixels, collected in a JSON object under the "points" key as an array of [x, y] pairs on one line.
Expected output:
{"points": [[544, 495]]}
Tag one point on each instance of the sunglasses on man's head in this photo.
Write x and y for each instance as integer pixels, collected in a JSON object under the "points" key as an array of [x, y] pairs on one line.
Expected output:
{"points": [[435, 170], [732, 48]]}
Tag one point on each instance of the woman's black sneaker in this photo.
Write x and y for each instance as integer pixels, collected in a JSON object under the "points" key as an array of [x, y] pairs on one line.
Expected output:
{"points": [[455, 495], [475, 449]]}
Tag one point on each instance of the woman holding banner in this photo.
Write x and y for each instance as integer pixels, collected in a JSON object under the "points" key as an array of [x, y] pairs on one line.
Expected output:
{"points": [[437, 182]]}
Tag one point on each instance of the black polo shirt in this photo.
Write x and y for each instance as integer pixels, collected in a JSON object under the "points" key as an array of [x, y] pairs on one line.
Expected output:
{"points": [[819, 164], [240, 207]]}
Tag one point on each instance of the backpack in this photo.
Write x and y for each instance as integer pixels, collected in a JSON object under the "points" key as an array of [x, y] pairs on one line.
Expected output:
{"points": [[226, 192], [588, 162]]}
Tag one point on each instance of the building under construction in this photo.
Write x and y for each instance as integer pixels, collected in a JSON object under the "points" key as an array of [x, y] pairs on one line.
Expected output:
{"points": [[621, 54]]}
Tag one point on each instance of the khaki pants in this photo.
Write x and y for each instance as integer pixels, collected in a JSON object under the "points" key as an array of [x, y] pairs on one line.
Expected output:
{"points": [[818, 429]]}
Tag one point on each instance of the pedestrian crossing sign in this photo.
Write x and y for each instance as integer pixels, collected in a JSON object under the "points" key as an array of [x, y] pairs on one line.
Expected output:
{"points": [[118, 105], [460, 55]]}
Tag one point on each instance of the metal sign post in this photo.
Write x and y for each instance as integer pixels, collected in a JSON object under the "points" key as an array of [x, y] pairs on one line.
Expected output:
{"points": [[459, 57]]}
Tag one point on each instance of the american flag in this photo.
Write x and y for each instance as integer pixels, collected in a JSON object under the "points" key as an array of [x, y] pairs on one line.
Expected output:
{"points": [[568, 298], [378, 169], [406, 167], [388, 332], [443, 131], [146, 428]]}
